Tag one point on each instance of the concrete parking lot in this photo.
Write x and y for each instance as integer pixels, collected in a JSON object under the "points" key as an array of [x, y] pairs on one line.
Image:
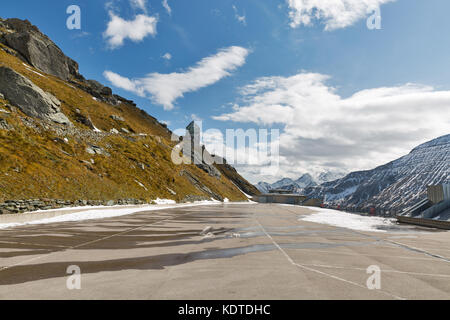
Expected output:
{"points": [[252, 251]]}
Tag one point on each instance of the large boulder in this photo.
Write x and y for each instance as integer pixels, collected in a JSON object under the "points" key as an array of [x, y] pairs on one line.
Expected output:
{"points": [[31, 99], [38, 50]]}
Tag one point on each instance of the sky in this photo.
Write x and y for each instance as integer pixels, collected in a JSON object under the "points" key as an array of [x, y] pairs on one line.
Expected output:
{"points": [[349, 84]]}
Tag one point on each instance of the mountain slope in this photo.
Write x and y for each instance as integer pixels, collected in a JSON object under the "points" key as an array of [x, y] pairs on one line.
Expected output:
{"points": [[108, 148], [393, 186]]}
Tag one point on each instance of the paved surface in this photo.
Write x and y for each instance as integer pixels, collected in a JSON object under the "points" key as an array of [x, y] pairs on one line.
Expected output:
{"points": [[257, 252]]}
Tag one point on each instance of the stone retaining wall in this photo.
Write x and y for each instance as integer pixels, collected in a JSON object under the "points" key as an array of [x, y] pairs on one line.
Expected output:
{"points": [[21, 206]]}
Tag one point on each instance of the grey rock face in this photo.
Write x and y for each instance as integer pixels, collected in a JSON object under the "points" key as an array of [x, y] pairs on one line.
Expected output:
{"points": [[99, 91], [117, 118], [200, 186], [95, 150], [4, 125], [31, 99], [38, 50], [99, 88], [198, 153]]}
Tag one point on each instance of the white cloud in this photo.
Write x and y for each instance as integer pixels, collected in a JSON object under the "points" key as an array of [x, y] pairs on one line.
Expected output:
{"points": [[322, 130], [195, 117], [165, 89], [167, 7], [167, 56], [139, 4], [123, 83], [242, 19], [335, 14], [136, 30]]}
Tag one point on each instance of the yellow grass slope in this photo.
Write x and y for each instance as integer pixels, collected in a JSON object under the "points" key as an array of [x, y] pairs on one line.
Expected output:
{"points": [[39, 160]]}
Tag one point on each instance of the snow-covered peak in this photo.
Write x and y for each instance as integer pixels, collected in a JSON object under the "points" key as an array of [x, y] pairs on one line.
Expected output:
{"points": [[305, 180]]}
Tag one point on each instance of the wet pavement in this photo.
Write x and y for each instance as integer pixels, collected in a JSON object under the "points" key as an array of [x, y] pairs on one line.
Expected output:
{"points": [[253, 251]]}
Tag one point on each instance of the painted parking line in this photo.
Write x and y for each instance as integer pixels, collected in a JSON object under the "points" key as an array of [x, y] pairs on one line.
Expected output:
{"points": [[318, 271]]}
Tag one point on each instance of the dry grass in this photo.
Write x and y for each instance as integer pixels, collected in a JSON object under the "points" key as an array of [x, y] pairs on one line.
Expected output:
{"points": [[39, 164]]}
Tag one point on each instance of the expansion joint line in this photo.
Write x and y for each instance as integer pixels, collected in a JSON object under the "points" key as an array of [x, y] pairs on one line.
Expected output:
{"points": [[318, 271]]}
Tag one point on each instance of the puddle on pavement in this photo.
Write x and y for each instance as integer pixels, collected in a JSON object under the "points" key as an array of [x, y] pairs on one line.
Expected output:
{"points": [[283, 234], [232, 252], [254, 228], [403, 237]]}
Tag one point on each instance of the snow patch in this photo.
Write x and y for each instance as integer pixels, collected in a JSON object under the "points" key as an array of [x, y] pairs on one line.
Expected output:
{"points": [[106, 212], [164, 201], [141, 185], [39, 74], [347, 220]]}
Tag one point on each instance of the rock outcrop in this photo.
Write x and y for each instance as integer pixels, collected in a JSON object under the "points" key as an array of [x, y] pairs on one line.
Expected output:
{"points": [[4, 125], [197, 152], [31, 99], [98, 91], [231, 173], [38, 50]]}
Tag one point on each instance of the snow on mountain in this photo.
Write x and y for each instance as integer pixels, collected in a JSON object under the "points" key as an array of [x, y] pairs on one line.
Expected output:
{"points": [[282, 183], [297, 186], [328, 176], [305, 181], [395, 185], [264, 187]]}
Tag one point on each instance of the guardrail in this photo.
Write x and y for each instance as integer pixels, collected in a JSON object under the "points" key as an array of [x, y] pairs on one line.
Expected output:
{"points": [[425, 222]]}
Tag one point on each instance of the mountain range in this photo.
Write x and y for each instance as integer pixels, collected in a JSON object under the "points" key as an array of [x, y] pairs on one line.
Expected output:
{"points": [[394, 186], [297, 186]]}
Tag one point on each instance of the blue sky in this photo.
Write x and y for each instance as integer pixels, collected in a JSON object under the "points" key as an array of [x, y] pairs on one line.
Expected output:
{"points": [[310, 73]]}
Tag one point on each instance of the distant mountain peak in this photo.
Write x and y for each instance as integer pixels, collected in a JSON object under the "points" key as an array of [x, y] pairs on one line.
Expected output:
{"points": [[305, 181]]}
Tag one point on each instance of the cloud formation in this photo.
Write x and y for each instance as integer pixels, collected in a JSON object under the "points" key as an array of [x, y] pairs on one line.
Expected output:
{"points": [[136, 30], [166, 6], [335, 14], [139, 4], [322, 130], [241, 19], [167, 56], [165, 89]]}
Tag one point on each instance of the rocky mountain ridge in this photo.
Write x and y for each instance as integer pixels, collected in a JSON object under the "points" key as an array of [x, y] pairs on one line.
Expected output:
{"points": [[297, 186], [65, 137], [394, 186]]}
